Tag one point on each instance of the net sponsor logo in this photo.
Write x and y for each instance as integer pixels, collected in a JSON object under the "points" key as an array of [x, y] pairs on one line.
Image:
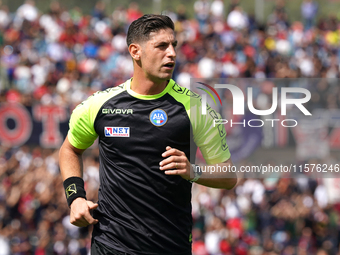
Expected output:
{"points": [[117, 131]]}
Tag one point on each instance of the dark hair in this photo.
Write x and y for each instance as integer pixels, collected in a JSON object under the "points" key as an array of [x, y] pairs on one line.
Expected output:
{"points": [[141, 28]]}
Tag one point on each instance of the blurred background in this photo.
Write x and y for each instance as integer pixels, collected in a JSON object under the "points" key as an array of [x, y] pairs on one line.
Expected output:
{"points": [[54, 54]]}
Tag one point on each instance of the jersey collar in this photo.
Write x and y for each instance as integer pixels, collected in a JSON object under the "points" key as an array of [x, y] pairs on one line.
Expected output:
{"points": [[171, 83]]}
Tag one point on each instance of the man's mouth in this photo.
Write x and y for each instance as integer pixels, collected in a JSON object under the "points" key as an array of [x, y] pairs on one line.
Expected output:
{"points": [[169, 65]]}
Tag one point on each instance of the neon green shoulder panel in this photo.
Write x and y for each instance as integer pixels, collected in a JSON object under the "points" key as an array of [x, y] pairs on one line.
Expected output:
{"points": [[81, 133], [211, 140]]}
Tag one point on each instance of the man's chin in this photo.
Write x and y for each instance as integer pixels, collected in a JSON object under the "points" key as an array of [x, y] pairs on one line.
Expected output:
{"points": [[161, 78], [167, 76]]}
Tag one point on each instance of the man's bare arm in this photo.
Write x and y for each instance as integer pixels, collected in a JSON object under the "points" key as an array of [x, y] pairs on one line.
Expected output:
{"points": [[70, 160], [220, 180], [176, 159], [71, 165]]}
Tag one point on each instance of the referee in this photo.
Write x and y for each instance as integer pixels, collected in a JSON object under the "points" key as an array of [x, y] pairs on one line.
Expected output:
{"points": [[147, 128]]}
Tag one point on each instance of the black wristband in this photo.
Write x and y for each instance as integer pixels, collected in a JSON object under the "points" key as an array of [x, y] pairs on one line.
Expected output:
{"points": [[74, 188]]}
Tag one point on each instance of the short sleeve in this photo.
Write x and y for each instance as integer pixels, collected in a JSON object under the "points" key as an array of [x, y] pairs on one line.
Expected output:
{"points": [[81, 133], [208, 135]]}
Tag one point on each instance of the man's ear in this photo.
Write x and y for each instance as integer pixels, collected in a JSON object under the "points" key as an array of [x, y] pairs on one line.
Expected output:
{"points": [[135, 51]]}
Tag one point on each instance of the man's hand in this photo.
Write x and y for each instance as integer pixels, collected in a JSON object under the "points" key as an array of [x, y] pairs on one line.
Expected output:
{"points": [[176, 163], [80, 212]]}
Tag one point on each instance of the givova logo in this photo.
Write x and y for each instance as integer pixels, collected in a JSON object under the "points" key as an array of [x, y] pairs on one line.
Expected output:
{"points": [[117, 111]]}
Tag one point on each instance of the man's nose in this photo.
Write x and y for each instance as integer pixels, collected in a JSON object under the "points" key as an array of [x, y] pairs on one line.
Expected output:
{"points": [[171, 51]]}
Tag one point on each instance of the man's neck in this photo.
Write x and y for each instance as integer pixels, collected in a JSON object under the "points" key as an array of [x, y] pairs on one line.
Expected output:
{"points": [[147, 87]]}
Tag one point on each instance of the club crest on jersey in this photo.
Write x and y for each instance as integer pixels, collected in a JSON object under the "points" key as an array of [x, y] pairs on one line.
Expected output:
{"points": [[158, 117], [117, 131]]}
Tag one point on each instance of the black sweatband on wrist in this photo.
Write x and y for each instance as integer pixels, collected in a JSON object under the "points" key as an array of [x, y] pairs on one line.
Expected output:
{"points": [[74, 188]]}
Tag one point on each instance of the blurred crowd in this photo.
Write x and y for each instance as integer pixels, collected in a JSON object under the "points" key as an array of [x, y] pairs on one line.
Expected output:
{"points": [[62, 56], [34, 216], [266, 217]]}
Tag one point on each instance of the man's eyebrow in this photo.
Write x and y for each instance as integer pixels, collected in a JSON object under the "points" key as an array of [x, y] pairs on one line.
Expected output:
{"points": [[166, 42]]}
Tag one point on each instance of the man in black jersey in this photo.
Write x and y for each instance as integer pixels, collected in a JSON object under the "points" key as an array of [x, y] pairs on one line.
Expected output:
{"points": [[146, 127]]}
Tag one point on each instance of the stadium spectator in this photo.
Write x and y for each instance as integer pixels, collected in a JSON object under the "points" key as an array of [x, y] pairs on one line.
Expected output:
{"points": [[217, 9], [237, 19], [309, 10], [202, 10]]}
